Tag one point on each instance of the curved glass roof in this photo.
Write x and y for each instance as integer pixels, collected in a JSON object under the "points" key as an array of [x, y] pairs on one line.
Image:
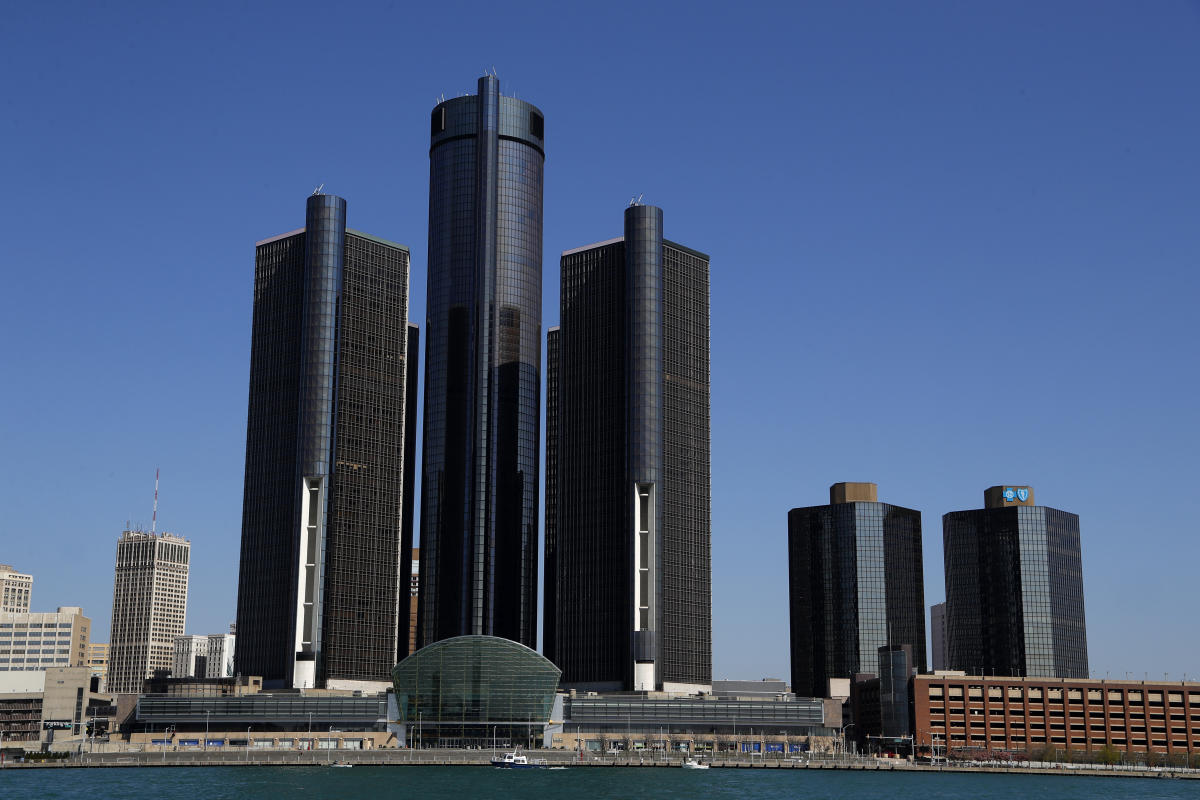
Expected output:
{"points": [[475, 679]]}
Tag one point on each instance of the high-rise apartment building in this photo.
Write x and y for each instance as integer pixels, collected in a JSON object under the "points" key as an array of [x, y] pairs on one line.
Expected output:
{"points": [[1014, 588], [628, 600], [482, 370], [39, 641], [191, 657], [149, 607], [322, 591], [856, 584], [15, 590], [938, 657]]}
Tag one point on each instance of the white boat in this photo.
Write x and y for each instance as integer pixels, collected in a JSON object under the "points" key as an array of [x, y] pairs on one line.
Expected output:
{"points": [[516, 760], [341, 764], [693, 763]]}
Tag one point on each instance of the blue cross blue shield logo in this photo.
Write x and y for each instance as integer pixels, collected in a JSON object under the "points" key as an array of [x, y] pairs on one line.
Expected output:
{"points": [[1022, 494], [1010, 495]]}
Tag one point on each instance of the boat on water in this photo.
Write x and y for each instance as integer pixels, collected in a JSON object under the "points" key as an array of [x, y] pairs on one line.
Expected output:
{"points": [[518, 761], [341, 764], [693, 763]]}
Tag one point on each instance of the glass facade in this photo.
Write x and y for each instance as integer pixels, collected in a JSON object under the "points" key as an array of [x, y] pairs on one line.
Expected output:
{"points": [[459, 689], [482, 370], [629, 417], [615, 713], [550, 557], [856, 584], [1014, 592], [323, 544], [265, 712]]}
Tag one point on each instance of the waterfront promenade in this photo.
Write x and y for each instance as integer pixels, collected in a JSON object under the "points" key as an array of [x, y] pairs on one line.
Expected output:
{"points": [[448, 757]]}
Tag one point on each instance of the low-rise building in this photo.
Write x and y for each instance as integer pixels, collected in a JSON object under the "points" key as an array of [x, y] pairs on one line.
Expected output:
{"points": [[286, 721], [44, 707], [697, 723], [1054, 718]]}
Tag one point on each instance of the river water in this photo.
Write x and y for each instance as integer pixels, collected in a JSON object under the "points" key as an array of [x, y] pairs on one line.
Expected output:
{"points": [[580, 783]]}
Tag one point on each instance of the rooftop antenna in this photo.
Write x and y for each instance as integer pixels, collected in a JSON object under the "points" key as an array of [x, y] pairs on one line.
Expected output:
{"points": [[154, 517], [636, 201], [317, 190]]}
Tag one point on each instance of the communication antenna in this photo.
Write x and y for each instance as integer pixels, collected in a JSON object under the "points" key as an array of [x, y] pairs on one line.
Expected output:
{"points": [[636, 201], [317, 190], [154, 517]]}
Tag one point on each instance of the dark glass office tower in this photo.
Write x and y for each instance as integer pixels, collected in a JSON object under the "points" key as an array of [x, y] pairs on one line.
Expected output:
{"points": [[856, 584], [482, 369], [1014, 588], [323, 586], [628, 549]]}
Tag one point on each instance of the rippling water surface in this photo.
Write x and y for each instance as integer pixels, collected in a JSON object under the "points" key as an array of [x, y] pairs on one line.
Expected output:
{"points": [[467, 783]]}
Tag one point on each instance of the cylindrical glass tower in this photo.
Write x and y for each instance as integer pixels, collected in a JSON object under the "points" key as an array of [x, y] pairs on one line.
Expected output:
{"points": [[482, 379]]}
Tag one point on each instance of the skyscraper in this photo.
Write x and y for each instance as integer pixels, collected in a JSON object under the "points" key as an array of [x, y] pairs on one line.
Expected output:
{"points": [[628, 595], [856, 584], [937, 637], [1014, 588], [483, 356], [322, 592], [149, 607]]}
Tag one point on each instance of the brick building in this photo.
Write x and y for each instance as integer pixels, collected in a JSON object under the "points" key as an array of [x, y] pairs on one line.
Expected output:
{"points": [[1027, 717]]}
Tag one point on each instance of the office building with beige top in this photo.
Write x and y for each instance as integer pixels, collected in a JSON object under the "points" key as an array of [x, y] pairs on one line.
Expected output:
{"points": [[15, 590], [149, 607]]}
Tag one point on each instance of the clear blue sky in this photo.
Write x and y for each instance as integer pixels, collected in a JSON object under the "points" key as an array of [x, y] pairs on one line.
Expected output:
{"points": [[953, 245]]}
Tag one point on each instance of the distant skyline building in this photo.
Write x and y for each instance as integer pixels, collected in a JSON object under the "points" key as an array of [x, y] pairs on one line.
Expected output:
{"points": [[191, 657], [149, 607], [97, 660], [221, 651], [16, 589], [414, 593], [628, 585], [41, 641], [1014, 588], [855, 584], [323, 589], [937, 635], [479, 489]]}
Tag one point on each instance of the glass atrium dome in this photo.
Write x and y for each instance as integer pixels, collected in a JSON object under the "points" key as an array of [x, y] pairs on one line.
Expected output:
{"points": [[475, 691]]}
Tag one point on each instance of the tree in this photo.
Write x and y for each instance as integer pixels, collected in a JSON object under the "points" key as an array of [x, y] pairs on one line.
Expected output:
{"points": [[1109, 755]]}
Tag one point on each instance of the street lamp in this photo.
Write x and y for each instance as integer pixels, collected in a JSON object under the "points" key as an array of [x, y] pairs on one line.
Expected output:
{"points": [[248, 742], [310, 730], [207, 716], [845, 752]]}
